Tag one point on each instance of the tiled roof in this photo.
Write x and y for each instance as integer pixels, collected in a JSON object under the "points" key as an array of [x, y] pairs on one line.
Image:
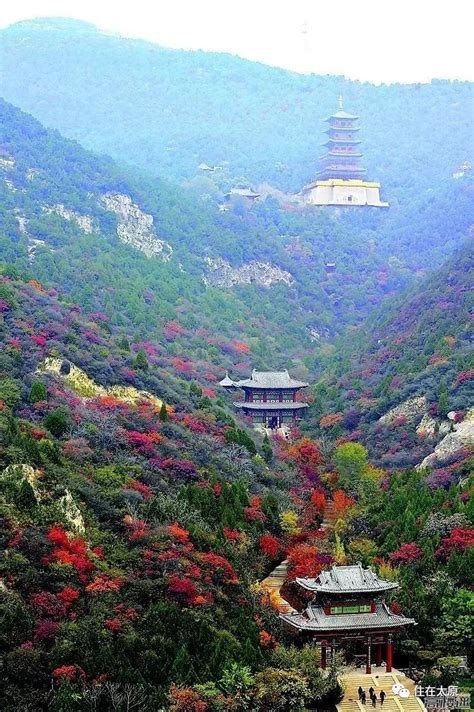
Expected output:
{"points": [[226, 381], [342, 579], [289, 405], [342, 115], [315, 619], [244, 192], [271, 379]]}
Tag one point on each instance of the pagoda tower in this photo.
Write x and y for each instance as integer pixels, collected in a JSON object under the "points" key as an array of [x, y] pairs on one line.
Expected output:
{"points": [[341, 178]]}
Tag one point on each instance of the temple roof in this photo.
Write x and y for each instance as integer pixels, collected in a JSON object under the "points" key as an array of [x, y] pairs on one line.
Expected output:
{"points": [[271, 379], [341, 140], [341, 128], [243, 193], [282, 405], [226, 381], [347, 579], [341, 115], [315, 619]]}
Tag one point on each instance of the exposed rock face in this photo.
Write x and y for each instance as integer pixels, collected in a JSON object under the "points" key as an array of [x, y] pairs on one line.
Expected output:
{"points": [[7, 163], [72, 513], [427, 425], [135, 227], [462, 436], [411, 409], [222, 274], [22, 472], [83, 221], [85, 387]]}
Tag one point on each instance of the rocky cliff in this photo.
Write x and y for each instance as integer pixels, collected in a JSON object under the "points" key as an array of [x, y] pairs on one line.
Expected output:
{"points": [[221, 274], [84, 222], [134, 227]]}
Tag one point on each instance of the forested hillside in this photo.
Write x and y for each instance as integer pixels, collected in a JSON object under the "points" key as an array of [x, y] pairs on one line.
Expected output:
{"points": [[414, 361], [57, 227], [139, 513], [170, 110], [138, 517]]}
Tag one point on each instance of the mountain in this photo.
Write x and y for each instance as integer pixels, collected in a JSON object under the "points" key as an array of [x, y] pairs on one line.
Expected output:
{"points": [[131, 517], [137, 518], [76, 221], [168, 111], [139, 514], [403, 384]]}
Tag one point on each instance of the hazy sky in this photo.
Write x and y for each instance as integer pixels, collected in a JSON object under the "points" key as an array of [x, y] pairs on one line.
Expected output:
{"points": [[373, 40]]}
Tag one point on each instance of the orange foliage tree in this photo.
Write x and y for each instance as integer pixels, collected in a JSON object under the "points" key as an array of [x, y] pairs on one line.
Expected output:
{"points": [[318, 500], [342, 503]]}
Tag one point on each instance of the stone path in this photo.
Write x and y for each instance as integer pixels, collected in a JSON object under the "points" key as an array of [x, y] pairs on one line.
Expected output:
{"points": [[379, 680], [274, 581]]}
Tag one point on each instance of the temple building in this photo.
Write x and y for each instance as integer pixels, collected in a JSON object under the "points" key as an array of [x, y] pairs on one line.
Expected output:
{"points": [[269, 398], [349, 608], [341, 179]]}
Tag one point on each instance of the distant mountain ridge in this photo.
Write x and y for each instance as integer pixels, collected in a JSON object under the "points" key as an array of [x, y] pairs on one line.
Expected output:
{"points": [[70, 219], [169, 110]]}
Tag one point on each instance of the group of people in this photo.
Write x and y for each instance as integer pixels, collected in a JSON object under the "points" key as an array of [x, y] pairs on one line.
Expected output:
{"points": [[372, 695]]}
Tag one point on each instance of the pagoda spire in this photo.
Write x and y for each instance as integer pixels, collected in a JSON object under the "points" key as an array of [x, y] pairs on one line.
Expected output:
{"points": [[341, 105]]}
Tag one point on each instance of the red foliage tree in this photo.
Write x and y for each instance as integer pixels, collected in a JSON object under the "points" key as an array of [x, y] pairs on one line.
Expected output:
{"points": [[458, 540], [406, 554], [303, 561], [68, 672], [175, 531], [269, 546]]}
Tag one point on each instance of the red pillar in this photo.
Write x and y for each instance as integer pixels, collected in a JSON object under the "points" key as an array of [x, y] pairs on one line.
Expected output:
{"points": [[368, 667], [323, 657], [389, 654], [378, 654]]}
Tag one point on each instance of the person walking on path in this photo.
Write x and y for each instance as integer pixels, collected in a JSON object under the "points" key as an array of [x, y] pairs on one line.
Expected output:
{"points": [[382, 697], [371, 692], [360, 691], [363, 697], [374, 700]]}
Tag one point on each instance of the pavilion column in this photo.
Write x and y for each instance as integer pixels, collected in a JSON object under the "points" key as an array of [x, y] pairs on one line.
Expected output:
{"points": [[323, 657], [378, 654], [333, 652], [389, 654], [368, 667]]}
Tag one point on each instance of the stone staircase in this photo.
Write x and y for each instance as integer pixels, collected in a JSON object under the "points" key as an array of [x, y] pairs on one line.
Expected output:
{"points": [[379, 680], [274, 581], [329, 516], [272, 585]]}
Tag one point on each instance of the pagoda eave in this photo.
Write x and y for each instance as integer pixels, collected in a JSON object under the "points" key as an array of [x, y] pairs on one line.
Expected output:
{"points": [[281, 405], [316, 621], [349, 129], [336, 154]]}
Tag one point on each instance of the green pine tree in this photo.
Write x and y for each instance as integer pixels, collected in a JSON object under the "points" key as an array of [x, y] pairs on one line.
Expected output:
{"points": [[38, 392], [141, 361]]}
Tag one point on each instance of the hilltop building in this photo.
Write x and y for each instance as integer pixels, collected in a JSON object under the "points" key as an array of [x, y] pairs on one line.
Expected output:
{"points": [[269, 398], [349, 607], [462, 170], [341, 178], [247, 195]]}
